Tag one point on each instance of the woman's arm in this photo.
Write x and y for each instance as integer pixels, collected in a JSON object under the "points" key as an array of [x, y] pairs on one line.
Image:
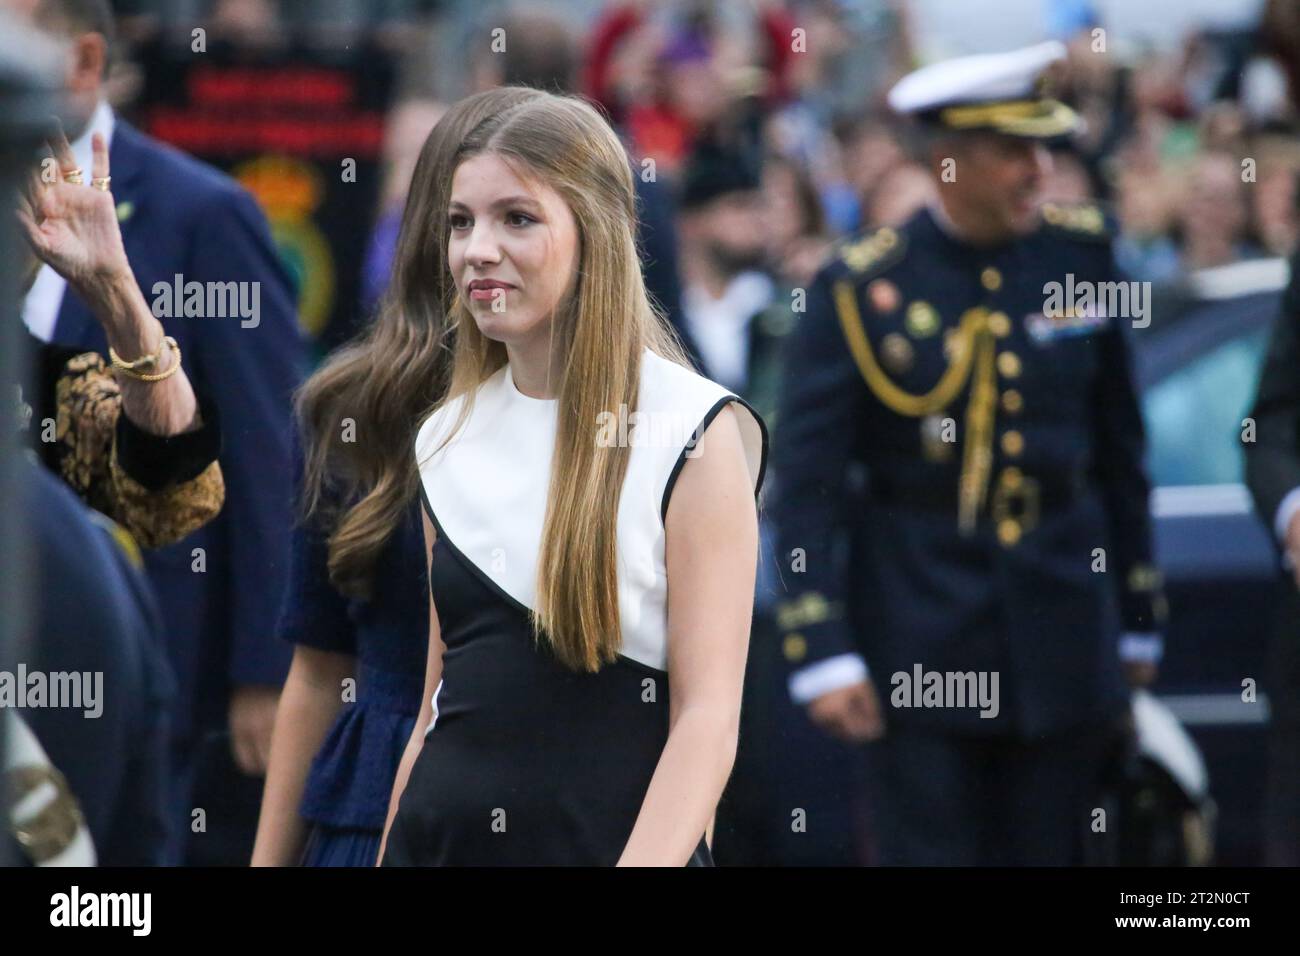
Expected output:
{"points": [[432, 675], [163, 408], [74, 229], [309, 704], [712, 557]]}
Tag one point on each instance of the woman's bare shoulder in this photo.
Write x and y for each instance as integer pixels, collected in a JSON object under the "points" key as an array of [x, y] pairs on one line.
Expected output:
{"points": [[716, 479]]}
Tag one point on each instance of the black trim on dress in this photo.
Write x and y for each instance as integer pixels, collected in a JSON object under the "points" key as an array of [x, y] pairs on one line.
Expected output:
{"points": [[700, 429], [501, 592]]}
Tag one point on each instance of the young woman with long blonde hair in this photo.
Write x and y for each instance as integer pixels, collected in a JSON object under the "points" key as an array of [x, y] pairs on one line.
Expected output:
{"points": [[357, 599], [590, 520]]}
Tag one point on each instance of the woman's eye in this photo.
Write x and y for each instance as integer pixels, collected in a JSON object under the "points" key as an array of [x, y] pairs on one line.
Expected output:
{"points": [[519, 219], [458, 222]]}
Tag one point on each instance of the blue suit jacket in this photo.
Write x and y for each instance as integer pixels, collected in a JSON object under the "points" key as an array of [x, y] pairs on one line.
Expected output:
{"points": [[180, 216]]}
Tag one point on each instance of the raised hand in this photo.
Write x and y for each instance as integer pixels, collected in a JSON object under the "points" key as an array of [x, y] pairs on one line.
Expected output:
{"points": [[74, 227]]}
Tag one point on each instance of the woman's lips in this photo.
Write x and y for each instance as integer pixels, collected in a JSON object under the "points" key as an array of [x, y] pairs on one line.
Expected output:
{"points": [[487, 293]]}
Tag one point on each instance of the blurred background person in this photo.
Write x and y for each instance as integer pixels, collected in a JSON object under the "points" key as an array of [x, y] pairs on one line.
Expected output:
{"points": [[904, 191], [1146, 206], [798, 235], [672, 76], [1068, 183], [869, 153], [723, 259], [1213, 214], [407, 128]]}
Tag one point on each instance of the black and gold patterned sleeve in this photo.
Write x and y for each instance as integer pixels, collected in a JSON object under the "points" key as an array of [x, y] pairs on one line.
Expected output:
{"points": [[159, 489]]}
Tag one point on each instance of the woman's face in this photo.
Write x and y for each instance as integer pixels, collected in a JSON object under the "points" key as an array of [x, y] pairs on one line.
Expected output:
{"points": [[784, 219], [512, 249]]}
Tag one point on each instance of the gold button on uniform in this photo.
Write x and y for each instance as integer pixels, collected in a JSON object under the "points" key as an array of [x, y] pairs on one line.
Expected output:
{"points": [[991, 279], [1012, 402], [897, 353], [1008, 531], [795, 647], [922, 320], [1000, 325], [1012, 479], [1009, 364], [1013, 443]]}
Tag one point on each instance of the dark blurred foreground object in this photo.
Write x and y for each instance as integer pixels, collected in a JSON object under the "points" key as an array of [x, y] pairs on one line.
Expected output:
{"points": [[29, 74], [1273, 474], [112, 746]]}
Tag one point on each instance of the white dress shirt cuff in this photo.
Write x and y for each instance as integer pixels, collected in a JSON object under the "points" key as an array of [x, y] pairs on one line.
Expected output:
{"points": [[809, 683], [1146, 648]]}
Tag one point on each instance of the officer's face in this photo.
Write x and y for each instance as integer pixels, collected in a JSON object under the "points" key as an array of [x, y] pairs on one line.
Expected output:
{"points": [[733, 230], [512, 249], [998, 181]]}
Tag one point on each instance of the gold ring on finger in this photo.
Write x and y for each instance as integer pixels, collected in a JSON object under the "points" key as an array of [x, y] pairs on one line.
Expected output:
{"points": [[73, 176], [101, 183]]}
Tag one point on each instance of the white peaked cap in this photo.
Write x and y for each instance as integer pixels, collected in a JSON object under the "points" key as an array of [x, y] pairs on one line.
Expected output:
{"points": [[975, 79], [1007, 82]]}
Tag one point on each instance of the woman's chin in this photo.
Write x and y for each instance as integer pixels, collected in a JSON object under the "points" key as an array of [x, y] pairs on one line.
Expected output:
{"points": [[504, 328]]}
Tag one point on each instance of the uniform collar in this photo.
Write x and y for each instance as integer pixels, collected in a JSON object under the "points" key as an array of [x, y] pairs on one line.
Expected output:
{"points": [[948, 230]]}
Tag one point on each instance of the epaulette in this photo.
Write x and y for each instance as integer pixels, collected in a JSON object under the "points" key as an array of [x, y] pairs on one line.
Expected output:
{"points": [[1082, 220], [120, 537], [872, 252]]}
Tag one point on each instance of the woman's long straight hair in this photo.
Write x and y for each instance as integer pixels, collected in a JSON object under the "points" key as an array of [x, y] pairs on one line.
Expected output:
{"points": [[388, 378], [598, 335]]}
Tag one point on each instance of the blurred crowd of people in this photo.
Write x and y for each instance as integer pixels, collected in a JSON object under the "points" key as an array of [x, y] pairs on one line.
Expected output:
{"points": [[1192, 147]]}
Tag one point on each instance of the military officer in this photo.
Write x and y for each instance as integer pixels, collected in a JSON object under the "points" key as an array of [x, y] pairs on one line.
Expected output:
{"points": [[963, 517]]}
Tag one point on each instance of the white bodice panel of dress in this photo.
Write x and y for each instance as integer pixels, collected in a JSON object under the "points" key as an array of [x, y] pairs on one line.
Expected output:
{"points": [[487, 488]]}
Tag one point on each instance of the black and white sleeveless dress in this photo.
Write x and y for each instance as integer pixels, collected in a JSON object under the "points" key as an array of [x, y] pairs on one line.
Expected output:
{"points": [[527, 762]]}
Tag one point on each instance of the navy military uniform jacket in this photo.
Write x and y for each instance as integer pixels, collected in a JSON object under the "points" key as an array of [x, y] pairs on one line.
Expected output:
{"points": [[952, 459], [94, 614]]}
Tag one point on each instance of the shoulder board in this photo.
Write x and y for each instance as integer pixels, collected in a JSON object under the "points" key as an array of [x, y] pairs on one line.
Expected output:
{"points": [[1082, 220], [873, 251], [120, 537]]}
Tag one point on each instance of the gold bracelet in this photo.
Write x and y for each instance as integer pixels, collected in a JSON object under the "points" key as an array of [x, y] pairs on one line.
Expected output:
{"points": [[145, 361], [129, 368]]}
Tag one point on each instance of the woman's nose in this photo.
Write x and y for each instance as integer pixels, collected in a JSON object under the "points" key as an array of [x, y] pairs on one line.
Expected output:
{"points": [[483, 248]]}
